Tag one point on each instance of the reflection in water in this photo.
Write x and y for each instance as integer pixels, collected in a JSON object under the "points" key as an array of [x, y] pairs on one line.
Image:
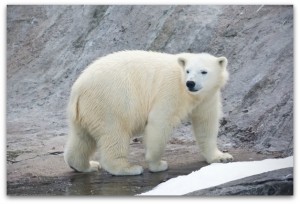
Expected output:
{"points": [[102, 183], [97, 183], [106, 184]]}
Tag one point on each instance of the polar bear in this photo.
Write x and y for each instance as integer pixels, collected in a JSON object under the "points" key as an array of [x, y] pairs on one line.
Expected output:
{"points": [[132, 92]]}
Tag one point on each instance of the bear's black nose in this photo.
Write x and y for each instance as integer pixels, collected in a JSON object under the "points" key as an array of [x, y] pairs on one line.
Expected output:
{"points": [[190, 84]]}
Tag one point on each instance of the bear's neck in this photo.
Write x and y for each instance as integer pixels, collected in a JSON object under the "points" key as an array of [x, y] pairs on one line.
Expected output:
{"points": [[203, 97]]}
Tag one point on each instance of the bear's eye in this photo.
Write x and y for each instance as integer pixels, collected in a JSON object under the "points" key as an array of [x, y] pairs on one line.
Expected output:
{"points": [[203, 72], [187, 71]]}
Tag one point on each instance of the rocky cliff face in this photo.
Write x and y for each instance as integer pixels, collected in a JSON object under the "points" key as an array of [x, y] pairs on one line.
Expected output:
{"points": [[48, 47]]}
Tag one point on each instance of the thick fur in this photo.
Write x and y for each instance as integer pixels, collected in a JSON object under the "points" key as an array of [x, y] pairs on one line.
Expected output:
{"points": [[131, 92]]}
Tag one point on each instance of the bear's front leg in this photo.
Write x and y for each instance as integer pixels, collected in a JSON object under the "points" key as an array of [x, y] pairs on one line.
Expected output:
{"points": [[156, 136], [205, 123]]}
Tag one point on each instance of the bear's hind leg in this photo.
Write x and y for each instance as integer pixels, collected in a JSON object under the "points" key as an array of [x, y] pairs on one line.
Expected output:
{"points": [[79, 149], [114, 150]]}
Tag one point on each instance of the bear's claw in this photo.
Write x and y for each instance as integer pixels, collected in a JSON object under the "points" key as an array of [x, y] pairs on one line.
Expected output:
{"points": [[221, 158]]}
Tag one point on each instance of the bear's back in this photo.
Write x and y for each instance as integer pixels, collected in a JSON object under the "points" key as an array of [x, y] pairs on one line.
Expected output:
{"points": [[143, 70], [135, 59]]}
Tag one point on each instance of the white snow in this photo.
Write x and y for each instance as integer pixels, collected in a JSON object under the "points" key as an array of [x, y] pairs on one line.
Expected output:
{"points": [[216, 174]]}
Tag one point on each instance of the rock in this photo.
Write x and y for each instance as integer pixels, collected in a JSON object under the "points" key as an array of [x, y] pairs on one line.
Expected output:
{"points": [[278, 182], [258, 95], [230, 33]]}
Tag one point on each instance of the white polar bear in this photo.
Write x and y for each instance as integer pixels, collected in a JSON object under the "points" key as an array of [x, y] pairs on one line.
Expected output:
{"points": [[130, 92]]}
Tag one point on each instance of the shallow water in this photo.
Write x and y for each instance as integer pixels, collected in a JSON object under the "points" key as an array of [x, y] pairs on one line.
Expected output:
{"points": [[100, 183]]}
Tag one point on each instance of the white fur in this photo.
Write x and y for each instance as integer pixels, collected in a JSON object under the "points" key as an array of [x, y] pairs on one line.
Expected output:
{"points": [[131, 92]]}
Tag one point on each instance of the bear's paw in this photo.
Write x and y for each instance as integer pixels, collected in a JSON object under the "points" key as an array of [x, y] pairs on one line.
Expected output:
{"points": [[220, 157], [126, 171], [160, 166]]}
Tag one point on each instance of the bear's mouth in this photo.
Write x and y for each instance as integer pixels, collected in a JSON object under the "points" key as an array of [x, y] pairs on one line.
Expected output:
{"points": [[193, 89]]}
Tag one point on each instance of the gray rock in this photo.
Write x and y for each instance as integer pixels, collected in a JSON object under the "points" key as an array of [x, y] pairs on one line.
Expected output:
{"points": [[278, 182], [48, 47]]}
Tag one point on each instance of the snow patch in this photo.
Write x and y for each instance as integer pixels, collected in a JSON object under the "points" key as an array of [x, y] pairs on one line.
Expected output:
{"points": [[217, 174]]}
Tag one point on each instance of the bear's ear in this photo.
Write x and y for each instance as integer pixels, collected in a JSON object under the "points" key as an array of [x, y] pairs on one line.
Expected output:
{"points": [[181, 61], [222, 62]]}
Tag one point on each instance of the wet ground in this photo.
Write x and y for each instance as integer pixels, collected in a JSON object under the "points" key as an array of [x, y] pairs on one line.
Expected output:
{"points": [[103, 184], [100, 183]]}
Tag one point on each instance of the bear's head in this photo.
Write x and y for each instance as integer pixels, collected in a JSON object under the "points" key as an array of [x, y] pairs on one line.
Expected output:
{"points": [[203, 72]]}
